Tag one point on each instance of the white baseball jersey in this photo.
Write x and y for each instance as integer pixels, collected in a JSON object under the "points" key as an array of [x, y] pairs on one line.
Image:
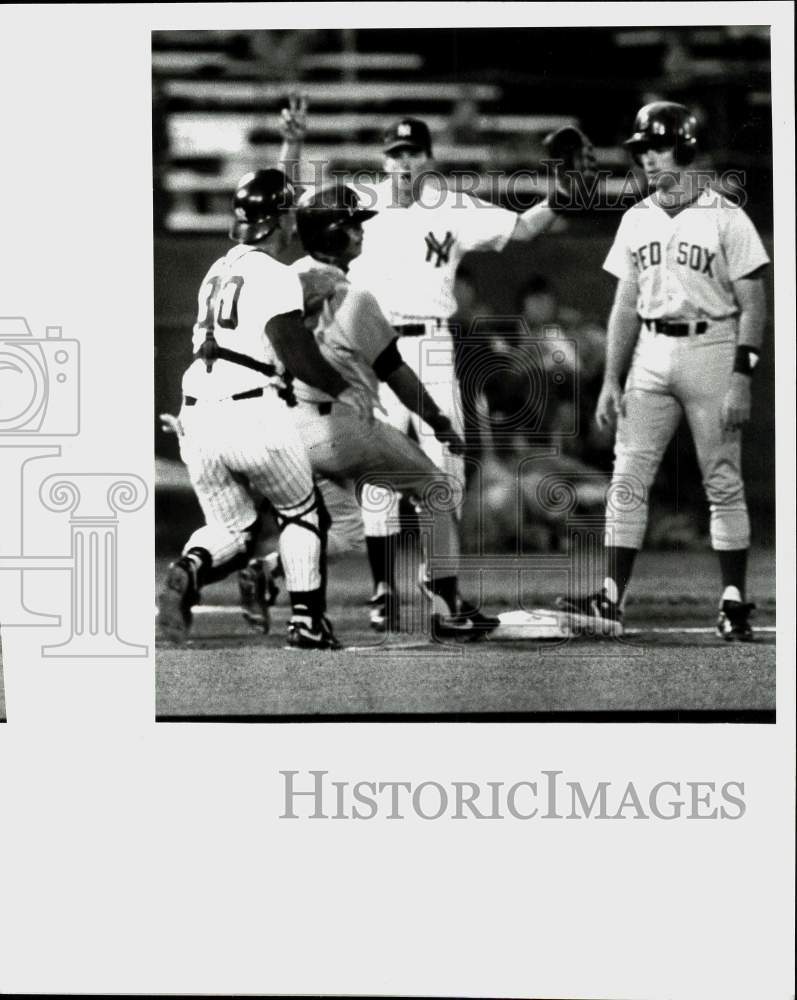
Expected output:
{"points": [[685, 265], [240, 293], [411, 255], [351, 333]]}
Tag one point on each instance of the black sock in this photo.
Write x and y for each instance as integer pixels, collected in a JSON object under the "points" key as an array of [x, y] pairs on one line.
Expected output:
{"points": [[733, 567], [309, 603], [382, 551], [202, 563], [619, 566], [445, 587]]}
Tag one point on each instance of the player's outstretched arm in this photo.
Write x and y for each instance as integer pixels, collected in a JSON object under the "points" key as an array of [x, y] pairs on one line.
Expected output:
{"points": [[622, 336], [405, 384], [572, 157], [751, 297]]}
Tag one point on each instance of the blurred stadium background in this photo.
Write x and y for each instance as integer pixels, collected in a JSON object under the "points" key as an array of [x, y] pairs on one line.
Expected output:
{"points": [[489, 98]]}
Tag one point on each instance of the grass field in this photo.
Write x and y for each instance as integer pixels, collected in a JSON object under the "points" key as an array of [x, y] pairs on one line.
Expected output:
{"points": [[670, 666]]}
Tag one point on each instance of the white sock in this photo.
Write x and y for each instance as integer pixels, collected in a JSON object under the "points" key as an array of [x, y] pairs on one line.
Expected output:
{"points": [[611, 589], [731, 594]]}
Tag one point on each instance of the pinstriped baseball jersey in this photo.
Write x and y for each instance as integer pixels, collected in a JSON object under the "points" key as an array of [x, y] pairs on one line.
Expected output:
{"points": [[240, 293], [685, 265], [411, 255], [351, 333], [240, 450]]}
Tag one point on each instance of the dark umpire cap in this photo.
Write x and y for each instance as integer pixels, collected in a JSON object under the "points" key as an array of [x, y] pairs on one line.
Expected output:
{"points": [[409, 133], [260, 197]]}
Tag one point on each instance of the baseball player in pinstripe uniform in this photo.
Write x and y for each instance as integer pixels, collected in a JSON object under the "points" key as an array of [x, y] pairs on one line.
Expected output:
{"points": [[411, 251], [347, 456], [239, 438], [687, 325]]}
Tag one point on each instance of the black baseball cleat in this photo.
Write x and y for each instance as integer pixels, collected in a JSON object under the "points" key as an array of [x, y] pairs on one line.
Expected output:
{"points": [[384, 614], [592, 615], [257, 592], [175, 601], [304, 633], [733, 624], [467, 625]]}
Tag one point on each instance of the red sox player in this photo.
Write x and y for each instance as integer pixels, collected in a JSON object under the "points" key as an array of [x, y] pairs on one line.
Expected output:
{"points": [[687, 326]]}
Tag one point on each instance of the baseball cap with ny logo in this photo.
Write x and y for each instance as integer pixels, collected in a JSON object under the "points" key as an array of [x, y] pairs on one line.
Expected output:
{"points": [[411, 133]]}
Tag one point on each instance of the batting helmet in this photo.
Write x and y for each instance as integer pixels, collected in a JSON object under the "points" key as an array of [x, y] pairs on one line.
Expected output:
{"points": [[259, 199], [665, 125], [322, 215]]}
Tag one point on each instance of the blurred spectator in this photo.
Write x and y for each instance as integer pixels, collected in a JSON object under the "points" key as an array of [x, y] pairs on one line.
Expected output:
{"points": [[278, 54], [463, 123], [550, 349], [529, 385]]}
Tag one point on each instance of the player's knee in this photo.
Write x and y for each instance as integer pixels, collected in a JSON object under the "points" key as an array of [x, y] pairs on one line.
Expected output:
{"points": [[635, 469], [346, 535], [724, 493]]}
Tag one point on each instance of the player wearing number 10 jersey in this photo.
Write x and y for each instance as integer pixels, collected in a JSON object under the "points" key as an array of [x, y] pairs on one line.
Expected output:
{"points": [[238, 436]]}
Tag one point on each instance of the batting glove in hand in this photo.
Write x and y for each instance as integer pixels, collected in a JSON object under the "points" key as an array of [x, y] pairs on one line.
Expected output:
{"points": [[359, 400], [171, 424], [445, 434], [293, 119], [575, 167], [737, 403]]}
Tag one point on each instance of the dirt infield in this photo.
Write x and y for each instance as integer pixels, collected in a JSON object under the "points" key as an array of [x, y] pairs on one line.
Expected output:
{"points": [[670, 666]]}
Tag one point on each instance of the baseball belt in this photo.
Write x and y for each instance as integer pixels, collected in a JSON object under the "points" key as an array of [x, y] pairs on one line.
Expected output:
{"points": [[676, 329], [418, 329], [249, 394], [211, 351]]}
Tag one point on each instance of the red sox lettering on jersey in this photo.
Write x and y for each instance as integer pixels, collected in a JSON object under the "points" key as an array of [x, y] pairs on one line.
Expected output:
{"points": [[686, 265]]}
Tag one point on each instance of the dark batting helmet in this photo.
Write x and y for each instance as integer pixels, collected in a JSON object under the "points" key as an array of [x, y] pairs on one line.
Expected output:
{"points": [[665, 125], [259, 199], [322, 215]]}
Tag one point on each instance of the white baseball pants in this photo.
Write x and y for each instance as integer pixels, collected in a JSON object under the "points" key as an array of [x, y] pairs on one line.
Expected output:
{"points": [[237, 451], [354, 460], [670, 377], [431, 357]]}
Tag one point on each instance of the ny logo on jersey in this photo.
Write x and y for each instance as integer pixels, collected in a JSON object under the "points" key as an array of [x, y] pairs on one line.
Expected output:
{"points": [[439, 250]]}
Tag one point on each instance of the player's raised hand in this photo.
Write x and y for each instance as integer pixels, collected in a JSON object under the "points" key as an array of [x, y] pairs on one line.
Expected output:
{"points": [[293, 119], [610, 406], [359, 400], [737, 403]]}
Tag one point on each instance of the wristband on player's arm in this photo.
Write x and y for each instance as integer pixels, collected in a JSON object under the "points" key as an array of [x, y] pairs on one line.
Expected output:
{"points": [[746, 359]]}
